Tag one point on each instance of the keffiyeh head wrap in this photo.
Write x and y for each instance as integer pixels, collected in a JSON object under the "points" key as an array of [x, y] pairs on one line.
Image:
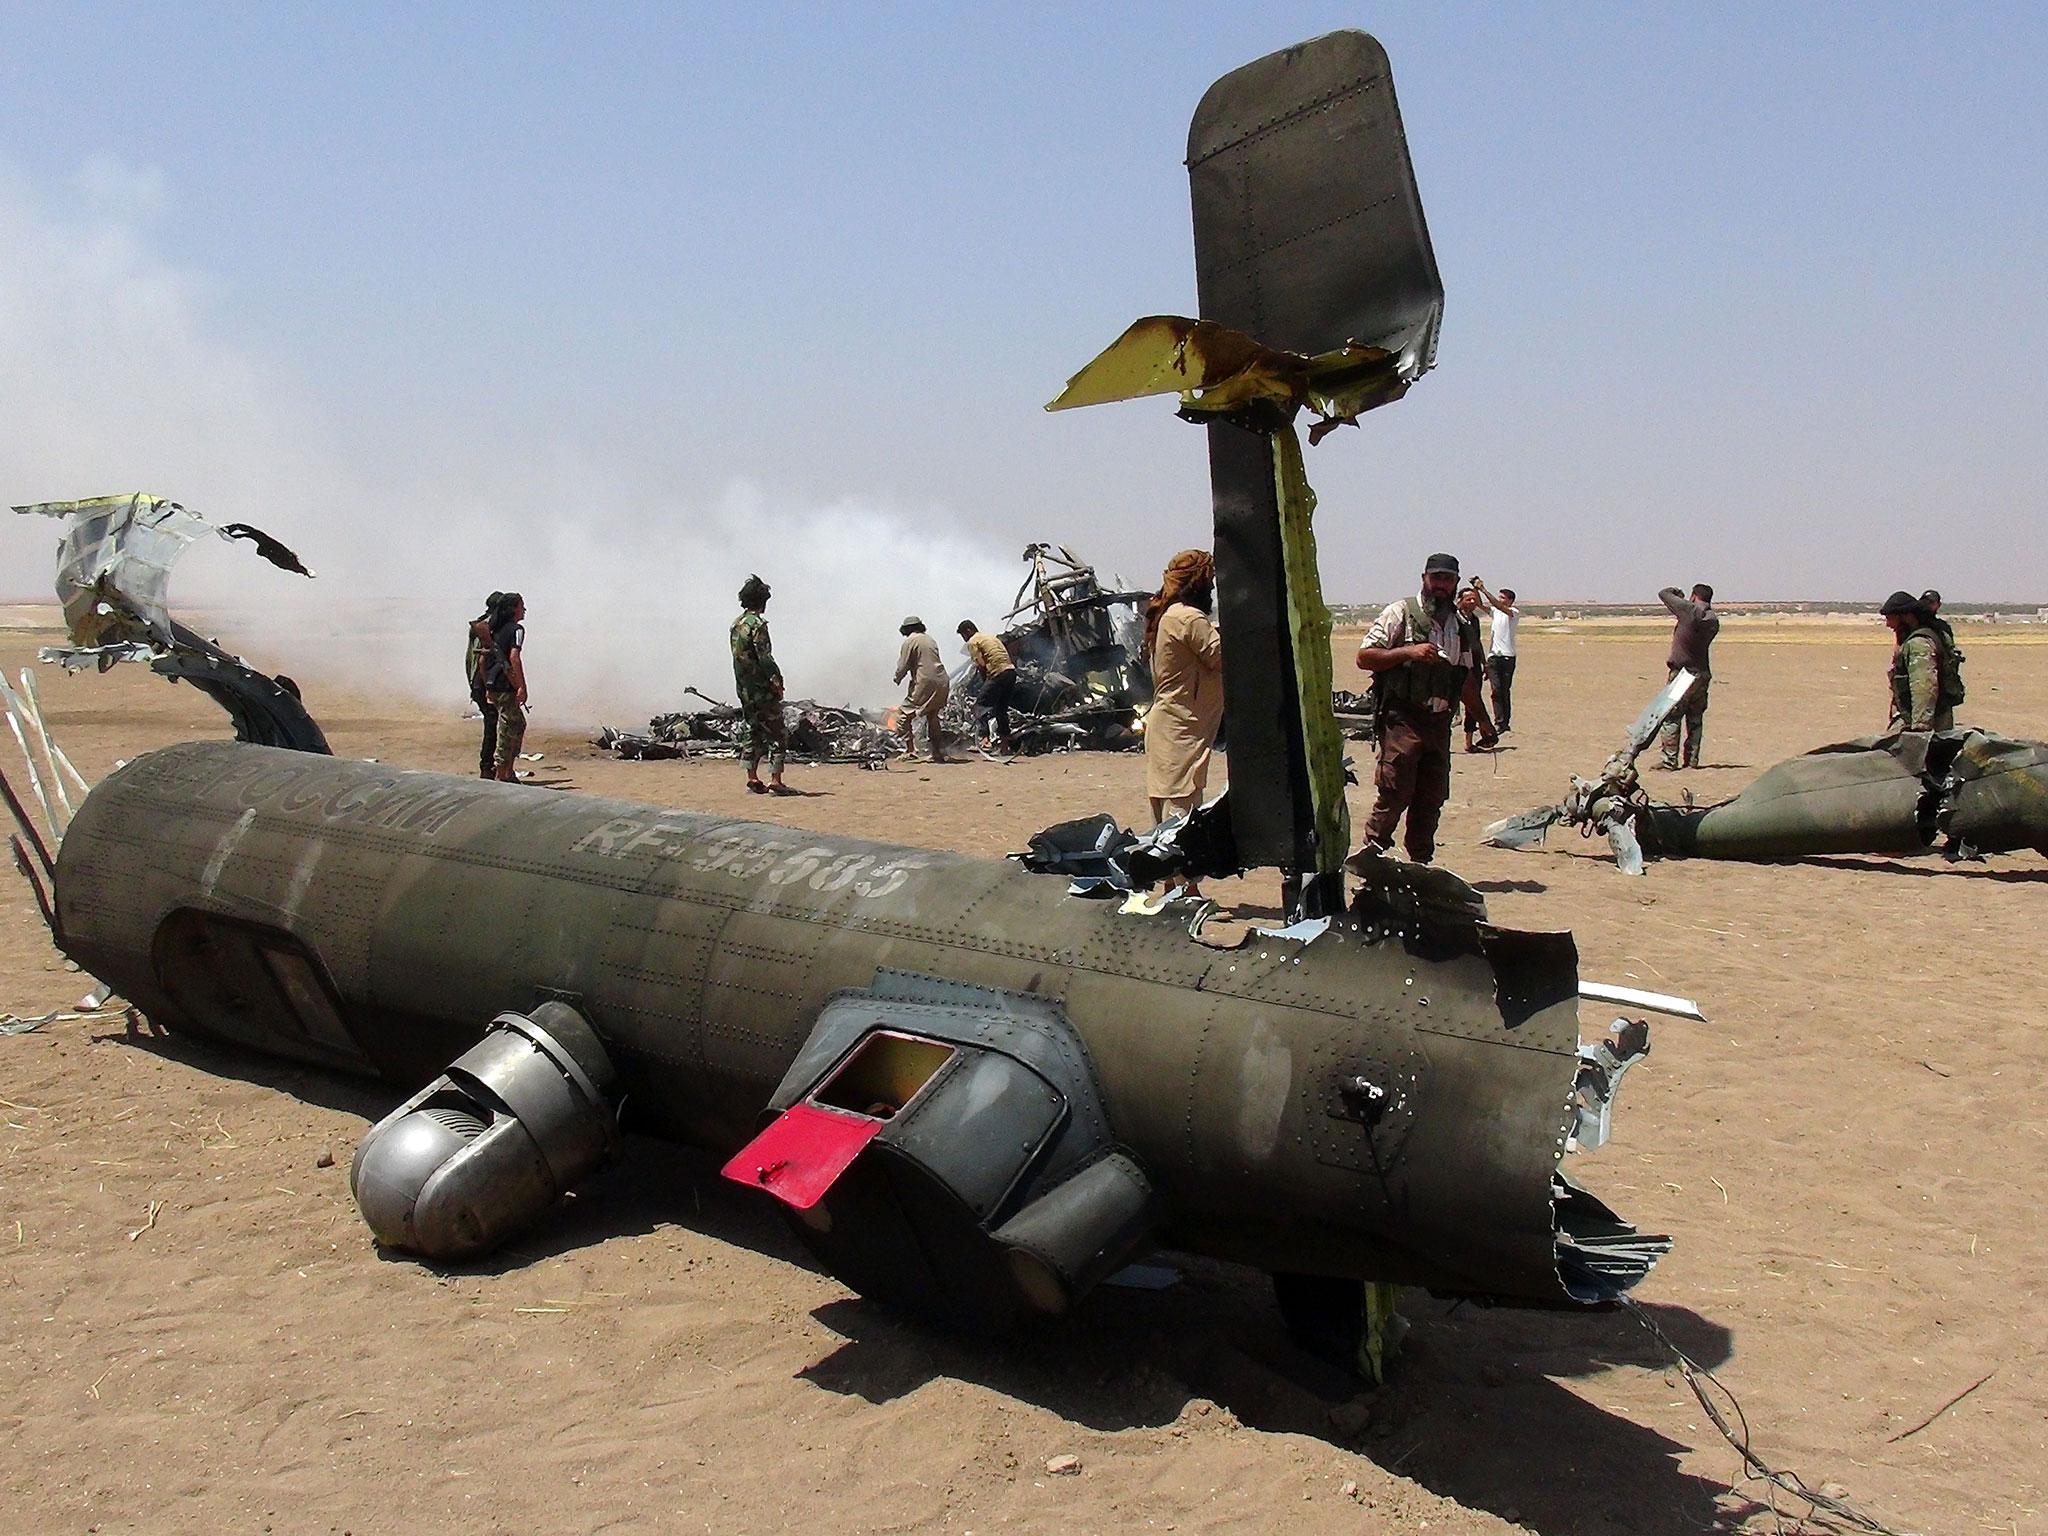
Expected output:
{"points": [[1190, 570]]}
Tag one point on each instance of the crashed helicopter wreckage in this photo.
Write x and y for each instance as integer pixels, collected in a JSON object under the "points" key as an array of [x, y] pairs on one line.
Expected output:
{"points": [[1083, 682], [113, 571], [1082, 685], [818, 733], [1972, 791], [1318, 289], [971, 1095]]}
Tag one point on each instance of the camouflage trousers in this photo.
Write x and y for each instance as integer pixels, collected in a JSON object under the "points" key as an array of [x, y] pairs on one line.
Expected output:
{"points": [[1692, 714], [767, 734], [511, 730]]}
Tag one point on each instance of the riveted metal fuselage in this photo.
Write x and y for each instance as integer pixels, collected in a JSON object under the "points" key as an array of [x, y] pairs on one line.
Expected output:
{"points": [[703, 950]]}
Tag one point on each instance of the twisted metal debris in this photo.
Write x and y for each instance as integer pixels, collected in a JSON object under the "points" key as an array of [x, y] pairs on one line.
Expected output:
{"points": [[113, 572], [818, 733]]}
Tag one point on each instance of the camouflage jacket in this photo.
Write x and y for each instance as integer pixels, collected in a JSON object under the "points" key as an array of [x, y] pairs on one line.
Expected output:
{"points": [[754, 672], [1916, 681]]}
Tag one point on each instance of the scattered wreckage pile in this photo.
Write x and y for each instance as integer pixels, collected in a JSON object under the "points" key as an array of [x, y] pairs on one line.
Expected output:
{"points": [[1083, 682], [1082, 685], [818, 733], [1974, 792]]}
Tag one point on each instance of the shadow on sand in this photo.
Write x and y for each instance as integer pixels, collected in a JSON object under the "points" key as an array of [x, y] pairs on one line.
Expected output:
{"points": [[1935, 866], [1475, 1411]]}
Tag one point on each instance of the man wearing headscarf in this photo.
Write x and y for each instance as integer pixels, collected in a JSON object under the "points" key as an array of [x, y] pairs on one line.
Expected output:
{"points": [[1425, 657], [1187, 684], [758, 680], [917, 661]]}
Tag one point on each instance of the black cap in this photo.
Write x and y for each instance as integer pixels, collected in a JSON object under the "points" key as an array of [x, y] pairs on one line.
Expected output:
{"points": [[1930, 596], [1437, 563], [1900, 602]]}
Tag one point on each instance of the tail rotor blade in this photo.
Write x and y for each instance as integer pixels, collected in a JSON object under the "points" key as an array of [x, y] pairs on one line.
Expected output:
{"points": [[1524, 831], [1628, 853], [1659, 710]]}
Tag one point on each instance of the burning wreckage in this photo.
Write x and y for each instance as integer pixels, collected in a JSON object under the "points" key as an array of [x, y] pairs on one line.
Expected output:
{"points": [[1082, 684]]}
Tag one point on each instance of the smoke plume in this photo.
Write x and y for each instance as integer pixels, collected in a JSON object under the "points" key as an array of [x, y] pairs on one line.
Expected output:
{"points": [[118, 372]]}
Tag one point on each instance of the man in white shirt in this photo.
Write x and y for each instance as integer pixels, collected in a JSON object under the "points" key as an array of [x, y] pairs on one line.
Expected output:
{"points": [[1500, 652]]}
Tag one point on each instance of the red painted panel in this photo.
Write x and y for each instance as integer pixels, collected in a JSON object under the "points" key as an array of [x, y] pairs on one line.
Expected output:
{"points": [[802, 1154]]}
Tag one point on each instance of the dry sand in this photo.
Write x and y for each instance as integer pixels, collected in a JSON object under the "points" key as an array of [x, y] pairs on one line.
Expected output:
{"points": [[200, 1336]]}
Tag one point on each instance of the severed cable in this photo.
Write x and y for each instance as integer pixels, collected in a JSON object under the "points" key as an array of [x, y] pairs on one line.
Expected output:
{"points": [[1754, 1467]]}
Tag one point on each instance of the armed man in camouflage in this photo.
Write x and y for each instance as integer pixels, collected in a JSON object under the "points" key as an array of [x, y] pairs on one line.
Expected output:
{"points": [[1926, 675], [759, 683]]}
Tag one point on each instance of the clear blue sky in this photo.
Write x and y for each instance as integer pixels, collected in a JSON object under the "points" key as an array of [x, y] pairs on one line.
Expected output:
{"points": [[1749, 293]]}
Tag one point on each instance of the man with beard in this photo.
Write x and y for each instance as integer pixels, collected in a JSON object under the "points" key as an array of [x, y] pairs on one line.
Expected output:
{"points": [[1425, 657], [1926, 672]]}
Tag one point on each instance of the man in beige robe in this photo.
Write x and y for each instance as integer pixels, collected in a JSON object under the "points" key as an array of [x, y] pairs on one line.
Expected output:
{"points": [[918, 662], [1187, 685]]}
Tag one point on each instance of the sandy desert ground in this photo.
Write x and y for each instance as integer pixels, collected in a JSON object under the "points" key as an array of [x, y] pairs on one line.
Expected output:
{"points": [[1852, 1156]]}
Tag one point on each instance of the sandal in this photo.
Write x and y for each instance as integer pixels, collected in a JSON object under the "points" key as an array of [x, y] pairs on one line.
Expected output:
{"points": [[756, 787]]}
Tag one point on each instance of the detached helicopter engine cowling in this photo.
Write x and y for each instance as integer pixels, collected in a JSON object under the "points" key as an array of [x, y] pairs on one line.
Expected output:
{"points": [[494, 1141]]}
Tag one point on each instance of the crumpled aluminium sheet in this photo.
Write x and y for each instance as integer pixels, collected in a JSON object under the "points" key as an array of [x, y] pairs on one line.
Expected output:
{"points": [[1049, 712], [818, 733], [113, 573]]}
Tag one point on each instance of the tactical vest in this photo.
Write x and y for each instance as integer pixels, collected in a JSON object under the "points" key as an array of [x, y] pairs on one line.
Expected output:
{"points": [[1951, 668], [1414, 684], [1948, 666]]}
